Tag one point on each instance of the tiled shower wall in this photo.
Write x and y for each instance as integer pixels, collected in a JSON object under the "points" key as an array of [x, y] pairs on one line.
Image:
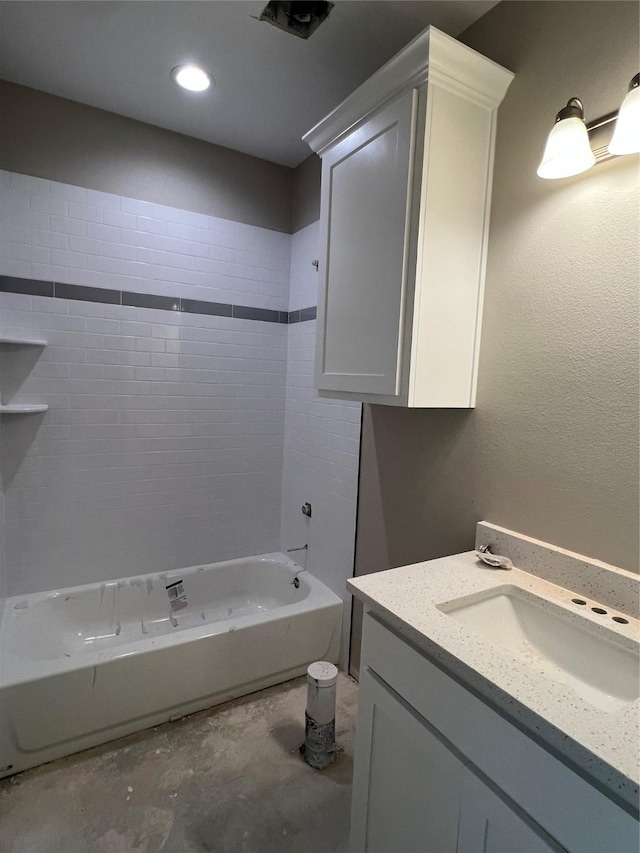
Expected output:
{"points": [[321, 446], [163, 443]]}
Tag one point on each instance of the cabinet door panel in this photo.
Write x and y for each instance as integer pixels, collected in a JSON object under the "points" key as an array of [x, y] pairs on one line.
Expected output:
{"points": [[406, 783], [488, 825], [365, 193]]}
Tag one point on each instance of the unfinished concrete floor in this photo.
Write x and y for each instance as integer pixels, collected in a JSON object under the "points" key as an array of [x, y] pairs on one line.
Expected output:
{"points": [[229, 780]]}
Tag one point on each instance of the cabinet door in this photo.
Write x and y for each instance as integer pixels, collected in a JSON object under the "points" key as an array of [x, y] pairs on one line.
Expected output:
{"points": [[407, 785], [489, 825], [365, 201]]}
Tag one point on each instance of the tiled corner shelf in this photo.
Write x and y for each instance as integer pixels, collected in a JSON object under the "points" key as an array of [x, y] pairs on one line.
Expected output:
{"points": [[29, 342], [22, 408]]}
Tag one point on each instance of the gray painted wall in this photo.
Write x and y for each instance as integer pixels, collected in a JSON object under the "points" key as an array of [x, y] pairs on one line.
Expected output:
{"points": [[552, 448], [61, 140], [305, 195]]}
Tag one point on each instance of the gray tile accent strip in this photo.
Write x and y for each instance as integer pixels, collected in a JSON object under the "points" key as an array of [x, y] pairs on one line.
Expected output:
{"points": [[27, 286], [265, 314], [150, 300], [86, 294], [302, 314], [308, 313], [198, 306], [60, 290]]}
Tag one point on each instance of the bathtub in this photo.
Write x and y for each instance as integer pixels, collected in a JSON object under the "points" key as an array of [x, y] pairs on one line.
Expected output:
{"points": [[84, 665]]}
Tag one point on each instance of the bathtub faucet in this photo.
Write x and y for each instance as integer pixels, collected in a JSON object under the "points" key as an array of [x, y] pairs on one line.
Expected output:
{"points": [[305, 548]]}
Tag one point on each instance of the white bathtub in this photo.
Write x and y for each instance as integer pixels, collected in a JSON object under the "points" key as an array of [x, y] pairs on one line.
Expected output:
{"points": [[84, 665]]}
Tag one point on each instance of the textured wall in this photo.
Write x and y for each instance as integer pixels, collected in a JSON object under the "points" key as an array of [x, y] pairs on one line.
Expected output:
{"points": [[162, 446], [552, 448], [51, 137], [321, 447]]}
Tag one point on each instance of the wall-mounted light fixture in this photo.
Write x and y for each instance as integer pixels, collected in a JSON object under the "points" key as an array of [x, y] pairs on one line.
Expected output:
{"points": [[573, 146]]}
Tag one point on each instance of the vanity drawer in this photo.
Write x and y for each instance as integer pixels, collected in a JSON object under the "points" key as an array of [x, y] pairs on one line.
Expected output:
{"points": [[576, 814]]}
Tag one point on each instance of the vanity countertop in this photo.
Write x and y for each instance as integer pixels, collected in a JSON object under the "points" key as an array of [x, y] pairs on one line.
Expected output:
{"points": [[604, 746]]}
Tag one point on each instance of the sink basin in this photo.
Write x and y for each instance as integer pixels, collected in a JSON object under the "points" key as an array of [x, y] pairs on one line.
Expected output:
{"points": [[600, 665]]}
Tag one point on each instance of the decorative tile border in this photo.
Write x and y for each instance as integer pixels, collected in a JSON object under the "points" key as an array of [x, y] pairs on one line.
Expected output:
{"points": [[59, 290]]}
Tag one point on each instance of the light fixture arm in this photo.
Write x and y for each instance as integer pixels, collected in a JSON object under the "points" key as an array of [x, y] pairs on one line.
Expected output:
{"points": [[574, 109]]}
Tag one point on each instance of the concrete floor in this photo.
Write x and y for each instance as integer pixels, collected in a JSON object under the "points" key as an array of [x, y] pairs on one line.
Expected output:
{"points": [[228, 780]]}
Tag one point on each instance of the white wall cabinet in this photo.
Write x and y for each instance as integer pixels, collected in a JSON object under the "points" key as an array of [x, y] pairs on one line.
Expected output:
{"points": [[438, 771], [406, 174]]}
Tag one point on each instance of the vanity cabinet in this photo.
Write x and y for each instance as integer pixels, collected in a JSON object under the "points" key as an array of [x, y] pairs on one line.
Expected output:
{"points": [[419, 795], [438, 770], [406, 176]]}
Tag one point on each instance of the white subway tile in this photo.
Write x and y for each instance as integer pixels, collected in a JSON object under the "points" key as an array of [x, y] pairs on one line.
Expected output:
{"points": [[106, 201], [68, 192], [98, 231], [68, 259], [9, 266], [116, 250], [16, 200], [39, 254], [48, 204], [17, 217], [68, 226], [49, 239], [85, 244], [151, 226], [85, 212], [16, 234], [119, 219]]}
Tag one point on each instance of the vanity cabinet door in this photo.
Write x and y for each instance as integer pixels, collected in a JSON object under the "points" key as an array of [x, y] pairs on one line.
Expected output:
{"points": [[365, 192], [489, 825], [407, 785]]}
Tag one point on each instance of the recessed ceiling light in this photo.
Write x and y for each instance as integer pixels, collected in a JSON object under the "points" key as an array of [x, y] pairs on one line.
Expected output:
{"points": [[191, 77]]}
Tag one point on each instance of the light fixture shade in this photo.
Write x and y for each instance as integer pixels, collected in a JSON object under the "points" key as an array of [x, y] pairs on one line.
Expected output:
{"points": [[626, 136], [567, 151], [191, 77]]}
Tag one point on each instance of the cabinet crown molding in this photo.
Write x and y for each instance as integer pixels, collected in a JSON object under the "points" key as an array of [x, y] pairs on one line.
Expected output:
{"points": [[431, 55]]}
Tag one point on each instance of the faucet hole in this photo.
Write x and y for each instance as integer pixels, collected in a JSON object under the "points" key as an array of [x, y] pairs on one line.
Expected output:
{"points": [[599, 610], [578, 601], [620, 620]]}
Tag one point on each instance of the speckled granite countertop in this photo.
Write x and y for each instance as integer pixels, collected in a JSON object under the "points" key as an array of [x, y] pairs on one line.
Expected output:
{"points": [[602, 745]]}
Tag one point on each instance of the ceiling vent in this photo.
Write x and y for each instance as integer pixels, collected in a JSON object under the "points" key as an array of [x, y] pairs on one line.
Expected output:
{"points": [[300, 18]]}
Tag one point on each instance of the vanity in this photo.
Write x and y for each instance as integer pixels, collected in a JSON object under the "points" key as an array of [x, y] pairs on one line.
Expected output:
{"points": [[498, 710]]}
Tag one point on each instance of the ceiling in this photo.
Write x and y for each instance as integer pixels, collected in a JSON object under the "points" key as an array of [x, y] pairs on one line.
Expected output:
{"points": [[270, 87]]}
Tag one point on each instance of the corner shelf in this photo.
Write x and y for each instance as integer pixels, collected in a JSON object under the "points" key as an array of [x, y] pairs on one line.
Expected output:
{"points": [[28, 342], [23, 408]]}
